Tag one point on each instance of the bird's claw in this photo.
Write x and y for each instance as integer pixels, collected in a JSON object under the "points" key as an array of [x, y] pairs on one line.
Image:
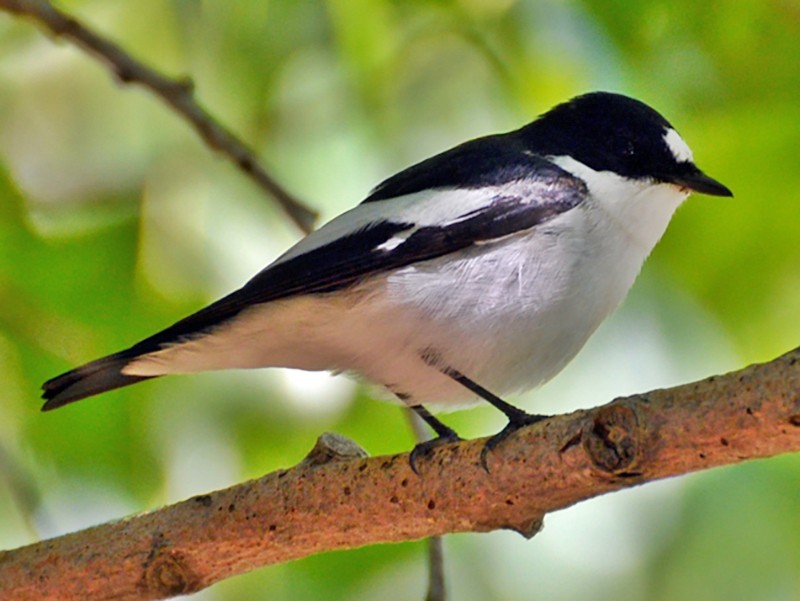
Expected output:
{"points": [[423, 449], [519, 420]]}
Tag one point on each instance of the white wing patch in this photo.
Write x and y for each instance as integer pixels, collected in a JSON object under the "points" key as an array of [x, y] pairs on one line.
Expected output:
{"points": [[680, 149], [397, 240]]}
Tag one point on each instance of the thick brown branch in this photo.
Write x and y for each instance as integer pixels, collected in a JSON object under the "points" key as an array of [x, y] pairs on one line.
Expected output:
{"points": [[177, 93], [339, 500]]}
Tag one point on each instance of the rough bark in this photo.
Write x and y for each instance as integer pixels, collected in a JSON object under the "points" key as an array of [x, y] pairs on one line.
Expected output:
{"points": [[337, 498]]}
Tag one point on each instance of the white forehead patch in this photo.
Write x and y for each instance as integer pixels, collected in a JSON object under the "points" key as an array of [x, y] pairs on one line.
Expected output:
{"points": [[680, 150]]}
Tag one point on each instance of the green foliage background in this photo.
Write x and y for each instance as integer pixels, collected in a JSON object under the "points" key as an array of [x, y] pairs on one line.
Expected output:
{"points": [[115, 221]]}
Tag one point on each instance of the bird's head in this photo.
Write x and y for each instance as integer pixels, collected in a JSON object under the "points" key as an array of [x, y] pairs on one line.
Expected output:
{"points": [[613, 133]]}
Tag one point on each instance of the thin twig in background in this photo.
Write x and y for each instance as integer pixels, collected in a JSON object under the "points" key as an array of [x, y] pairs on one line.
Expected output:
{"points": [[436, 582], [437, 591], [341, 499], [177, 93]]}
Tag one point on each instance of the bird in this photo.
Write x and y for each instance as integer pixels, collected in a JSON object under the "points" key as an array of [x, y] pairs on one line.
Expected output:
{"points": [[478, 272]]}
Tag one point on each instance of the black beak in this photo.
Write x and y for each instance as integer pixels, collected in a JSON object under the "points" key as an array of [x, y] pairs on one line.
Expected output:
{"points": [[698, 181]]}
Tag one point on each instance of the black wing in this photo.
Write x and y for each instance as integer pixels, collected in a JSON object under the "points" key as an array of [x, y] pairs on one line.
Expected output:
{"points": [[357, 255], [487, 161]]}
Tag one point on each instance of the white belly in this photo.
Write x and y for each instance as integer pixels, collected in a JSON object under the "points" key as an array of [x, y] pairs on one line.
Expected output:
{"points": [[503, 315]]}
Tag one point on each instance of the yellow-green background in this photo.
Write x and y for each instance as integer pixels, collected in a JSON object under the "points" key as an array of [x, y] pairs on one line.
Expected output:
{"points": [[115, 221]]}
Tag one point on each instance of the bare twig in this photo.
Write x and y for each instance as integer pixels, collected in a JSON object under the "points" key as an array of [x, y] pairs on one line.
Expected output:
{"points": [[348, 501], [177, 93], [437, 591]]}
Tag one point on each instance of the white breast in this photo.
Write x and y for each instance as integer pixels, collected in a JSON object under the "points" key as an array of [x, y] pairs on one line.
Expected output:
{"points": [[510, 315]]}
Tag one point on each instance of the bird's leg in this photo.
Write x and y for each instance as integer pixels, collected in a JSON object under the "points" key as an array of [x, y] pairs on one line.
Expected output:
{"points": [[517, 418], [444, 435]]}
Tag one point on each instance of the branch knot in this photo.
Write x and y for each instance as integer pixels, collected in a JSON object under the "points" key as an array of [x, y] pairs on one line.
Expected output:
{"points": [[168, 573], [612, 440]]}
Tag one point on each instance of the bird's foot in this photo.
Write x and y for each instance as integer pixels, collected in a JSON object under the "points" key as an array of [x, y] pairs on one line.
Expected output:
{"points": [[516, 420], [423, 449]]}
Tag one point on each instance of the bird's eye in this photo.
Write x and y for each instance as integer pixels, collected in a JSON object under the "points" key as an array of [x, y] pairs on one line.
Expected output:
{"points": [[628, 148], [623, 145]]}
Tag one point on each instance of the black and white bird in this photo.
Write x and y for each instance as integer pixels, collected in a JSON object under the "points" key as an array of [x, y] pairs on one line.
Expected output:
{"points": [[478, 272]]}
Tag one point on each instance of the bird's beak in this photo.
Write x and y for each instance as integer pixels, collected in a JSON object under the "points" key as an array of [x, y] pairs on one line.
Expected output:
{"points": [[697, 181]]}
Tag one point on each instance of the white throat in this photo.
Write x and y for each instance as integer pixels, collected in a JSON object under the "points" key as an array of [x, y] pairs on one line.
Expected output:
{"points": [[640, 208]]}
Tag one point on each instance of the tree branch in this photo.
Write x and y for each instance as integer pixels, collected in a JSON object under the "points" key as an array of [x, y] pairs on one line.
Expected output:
{"points": [[177, 93], [338, 499]]}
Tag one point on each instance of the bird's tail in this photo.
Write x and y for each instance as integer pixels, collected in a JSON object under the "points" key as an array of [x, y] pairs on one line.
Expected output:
{"points": [[106, 373], [87, 380]]}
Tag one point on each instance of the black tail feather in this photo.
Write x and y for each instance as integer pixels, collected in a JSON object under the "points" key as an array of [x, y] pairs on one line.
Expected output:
{"points": [[87, 380], [106, 374]]}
